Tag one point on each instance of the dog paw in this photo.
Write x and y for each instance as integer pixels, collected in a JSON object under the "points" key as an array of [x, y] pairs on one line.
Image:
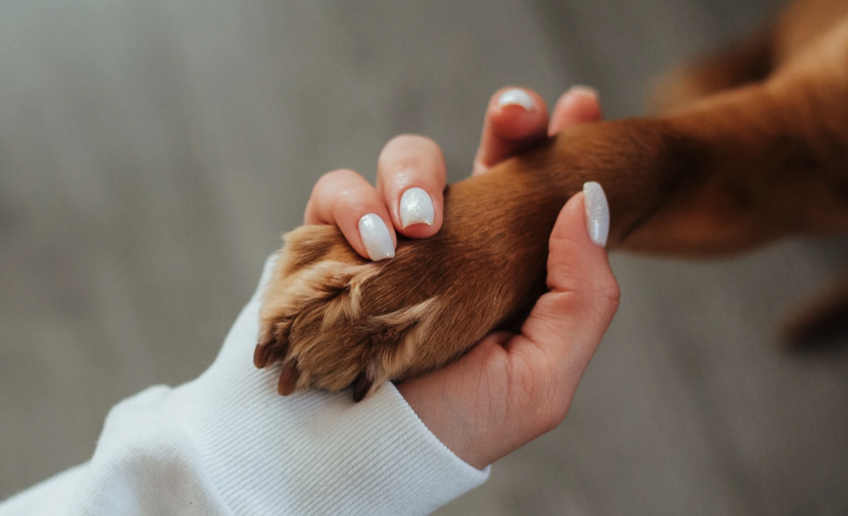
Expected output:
{"points": [[333, 319]]}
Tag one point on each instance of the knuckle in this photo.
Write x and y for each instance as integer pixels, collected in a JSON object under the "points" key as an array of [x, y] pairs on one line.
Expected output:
{"points": [[603, 294], [338, 175], [552, 414], [549, 420], [346, 182], [410, 157], [398, 139], [330, 181], [609, 292], [341, 192], [415, 140], [351, 199]]}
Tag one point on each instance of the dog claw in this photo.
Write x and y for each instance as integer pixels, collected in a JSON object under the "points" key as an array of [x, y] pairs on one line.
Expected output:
{"points": [[361, 387], [288, 378], [261, 355], [328, 317], [266, 353]]}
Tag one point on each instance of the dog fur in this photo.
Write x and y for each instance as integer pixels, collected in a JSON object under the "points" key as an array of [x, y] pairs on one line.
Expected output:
{"points": [[750, 145]]}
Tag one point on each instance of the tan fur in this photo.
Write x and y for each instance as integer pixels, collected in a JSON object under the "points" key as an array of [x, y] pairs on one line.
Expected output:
{"points": [[754, 146]]}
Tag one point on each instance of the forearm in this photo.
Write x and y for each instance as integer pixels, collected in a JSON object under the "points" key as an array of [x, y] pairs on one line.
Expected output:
{"points": [[226, 443]]}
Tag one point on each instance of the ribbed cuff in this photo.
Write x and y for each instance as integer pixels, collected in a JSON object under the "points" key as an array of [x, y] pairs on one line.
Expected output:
{"points": [[312, 452]]}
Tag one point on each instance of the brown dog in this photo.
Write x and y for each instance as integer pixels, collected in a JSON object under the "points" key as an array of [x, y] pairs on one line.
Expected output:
{"points": [[752, 146]]}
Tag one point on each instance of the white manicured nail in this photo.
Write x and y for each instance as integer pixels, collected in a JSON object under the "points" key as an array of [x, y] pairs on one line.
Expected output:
{"points": [[516, 97], [597, 212], [416, 207], [376, 238], [586, 91]]}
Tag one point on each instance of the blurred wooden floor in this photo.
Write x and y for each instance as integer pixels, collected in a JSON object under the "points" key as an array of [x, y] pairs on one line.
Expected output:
{"points": [[151, 152]]}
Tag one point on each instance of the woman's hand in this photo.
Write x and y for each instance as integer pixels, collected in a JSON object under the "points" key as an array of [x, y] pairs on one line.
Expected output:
{"points": [[508, 389]]}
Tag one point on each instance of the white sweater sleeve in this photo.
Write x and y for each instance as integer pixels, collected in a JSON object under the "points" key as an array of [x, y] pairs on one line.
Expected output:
{"points": [[227, 444]]}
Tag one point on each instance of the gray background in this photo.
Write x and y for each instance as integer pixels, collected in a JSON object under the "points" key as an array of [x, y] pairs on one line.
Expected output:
{"points": [[152, 151]]}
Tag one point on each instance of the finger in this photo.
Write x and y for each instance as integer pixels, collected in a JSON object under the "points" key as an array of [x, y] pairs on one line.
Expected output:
{"points": [[411, 177], [566, 325], [516, 118], [578, 105], [346, 199]]}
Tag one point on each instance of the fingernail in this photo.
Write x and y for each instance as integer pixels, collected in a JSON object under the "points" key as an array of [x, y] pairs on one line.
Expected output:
{"points": [[597, 212], [416, 207], [585, 91], [376, 238], [516, 97]]}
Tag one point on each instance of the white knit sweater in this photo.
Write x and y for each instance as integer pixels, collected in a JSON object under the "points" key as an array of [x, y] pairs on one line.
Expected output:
{"points": [[227, 444]]}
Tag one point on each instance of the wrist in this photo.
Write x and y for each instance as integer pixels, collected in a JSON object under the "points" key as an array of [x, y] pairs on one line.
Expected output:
{"points": [[448, 425], [464, 406]]}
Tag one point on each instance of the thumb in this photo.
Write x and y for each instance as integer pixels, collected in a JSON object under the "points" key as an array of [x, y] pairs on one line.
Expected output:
{"points": [[567, 323]]}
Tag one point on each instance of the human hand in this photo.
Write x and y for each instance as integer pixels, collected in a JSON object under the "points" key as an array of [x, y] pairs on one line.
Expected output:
{"points": [[510, 388]]}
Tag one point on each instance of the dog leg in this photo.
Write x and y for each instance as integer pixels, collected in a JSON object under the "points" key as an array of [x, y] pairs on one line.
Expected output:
{"points": [[734, 171], [332, 319], [743, 63]]}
